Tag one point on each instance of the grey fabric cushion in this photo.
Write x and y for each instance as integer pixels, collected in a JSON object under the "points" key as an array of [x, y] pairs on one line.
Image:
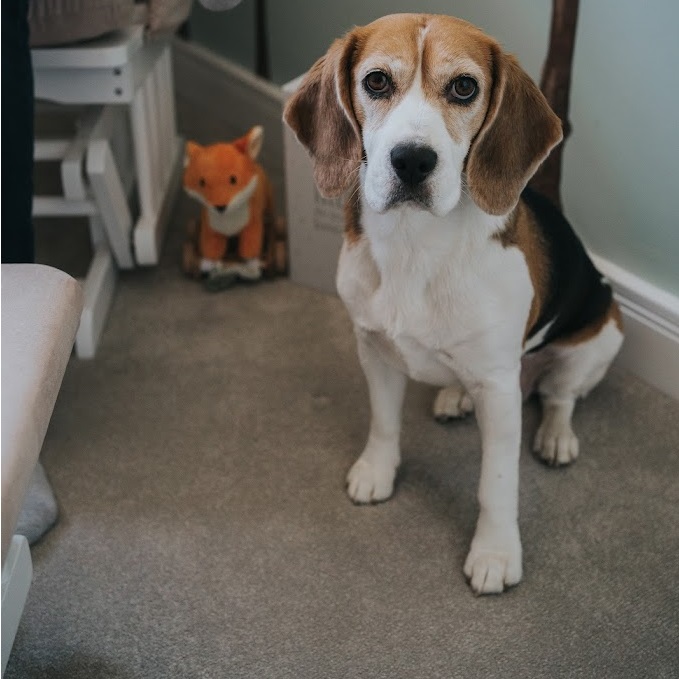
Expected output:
{"points": [[40, 315], [57, 22], [166, 15]]}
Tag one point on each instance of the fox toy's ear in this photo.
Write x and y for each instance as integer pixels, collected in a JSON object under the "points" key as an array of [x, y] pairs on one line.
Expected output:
{"points": [[190, 151], [255, 140], [321, 115], [518, 133], [251, 143]]}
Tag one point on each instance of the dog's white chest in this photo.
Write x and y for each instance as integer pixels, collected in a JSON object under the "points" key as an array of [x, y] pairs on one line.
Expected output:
{"points": [[404, 335], [452, 325]]}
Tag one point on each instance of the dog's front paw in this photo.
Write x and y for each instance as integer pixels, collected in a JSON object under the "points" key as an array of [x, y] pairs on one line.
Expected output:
{"points": [[368, 481], [452, 402], [556, 445], [494, 561]]}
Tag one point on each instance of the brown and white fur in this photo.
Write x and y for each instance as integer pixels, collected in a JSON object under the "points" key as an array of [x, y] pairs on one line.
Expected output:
{"points": [[451, 275]]}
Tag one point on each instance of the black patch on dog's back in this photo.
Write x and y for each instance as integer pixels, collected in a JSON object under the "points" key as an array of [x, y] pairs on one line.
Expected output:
{"points": [[577, 295]]}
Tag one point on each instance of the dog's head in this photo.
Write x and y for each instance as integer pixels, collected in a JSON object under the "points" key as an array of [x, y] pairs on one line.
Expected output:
{"points": [[424, 107]]}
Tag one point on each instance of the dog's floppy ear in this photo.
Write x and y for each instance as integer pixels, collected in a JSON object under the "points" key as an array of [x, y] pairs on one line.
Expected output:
{"points": [[518, 133], [321, 115]]}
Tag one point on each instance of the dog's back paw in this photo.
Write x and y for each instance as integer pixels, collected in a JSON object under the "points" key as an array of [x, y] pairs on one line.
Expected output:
{"points": [[451, 403]]}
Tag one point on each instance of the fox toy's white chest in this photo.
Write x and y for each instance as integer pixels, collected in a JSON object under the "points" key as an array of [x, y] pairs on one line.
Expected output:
{"points": [[438, 304]]}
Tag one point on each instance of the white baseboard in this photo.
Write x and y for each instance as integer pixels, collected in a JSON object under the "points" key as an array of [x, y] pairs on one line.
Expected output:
{"points": [[651, 320]]}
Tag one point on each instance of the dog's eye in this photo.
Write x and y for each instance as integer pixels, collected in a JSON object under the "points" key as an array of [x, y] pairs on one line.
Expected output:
{"points": [[462, 89], [233, 179], [201, 182], [378, 83]]}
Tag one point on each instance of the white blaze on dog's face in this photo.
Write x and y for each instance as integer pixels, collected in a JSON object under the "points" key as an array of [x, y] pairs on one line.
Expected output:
{"points": [[420, 94], [423, 108]]}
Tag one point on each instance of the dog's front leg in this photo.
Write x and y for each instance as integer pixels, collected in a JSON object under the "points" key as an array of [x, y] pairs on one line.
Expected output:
{"points": [[371, 478], [494, 560]]}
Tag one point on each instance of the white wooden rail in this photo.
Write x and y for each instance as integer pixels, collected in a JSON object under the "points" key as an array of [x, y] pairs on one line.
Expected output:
{"points": [[92, 188], [123, 74], [129, 69]]}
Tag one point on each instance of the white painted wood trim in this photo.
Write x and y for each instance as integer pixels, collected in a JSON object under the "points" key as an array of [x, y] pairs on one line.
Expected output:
{"points": [[17, 573], [99, 288], [99, 72], [73, 163], [57, 206], [50, 149], [142, 153], [108, 51], [149, 231], [151, 104], [651, 318], [111, 200]]}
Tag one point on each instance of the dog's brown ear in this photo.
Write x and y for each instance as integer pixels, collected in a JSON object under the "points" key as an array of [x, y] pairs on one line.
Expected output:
{"points": [[518, 133], [321, 115]]}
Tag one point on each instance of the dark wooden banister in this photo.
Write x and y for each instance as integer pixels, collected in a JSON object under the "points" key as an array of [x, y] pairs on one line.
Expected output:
{"points": [[555, 85]]}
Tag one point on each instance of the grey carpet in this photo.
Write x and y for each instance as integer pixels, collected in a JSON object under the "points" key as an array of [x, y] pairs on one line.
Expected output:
{"points": [[199, 464]]}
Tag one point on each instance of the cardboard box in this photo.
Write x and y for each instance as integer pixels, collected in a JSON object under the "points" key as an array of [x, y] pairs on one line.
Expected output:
{"points": [[315, 224]]}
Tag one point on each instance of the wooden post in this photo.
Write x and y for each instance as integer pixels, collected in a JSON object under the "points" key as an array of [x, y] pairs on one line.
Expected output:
{"points": [[262, 66], [555, 85]]}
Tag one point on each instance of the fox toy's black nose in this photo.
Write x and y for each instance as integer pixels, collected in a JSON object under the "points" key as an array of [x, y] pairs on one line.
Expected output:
{"points": [[412, 163], [220, 208]]}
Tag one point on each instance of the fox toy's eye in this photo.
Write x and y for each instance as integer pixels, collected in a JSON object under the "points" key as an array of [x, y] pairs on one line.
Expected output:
{"points": [[462, 90], [233, 179], [378, 84], [201, 182]]}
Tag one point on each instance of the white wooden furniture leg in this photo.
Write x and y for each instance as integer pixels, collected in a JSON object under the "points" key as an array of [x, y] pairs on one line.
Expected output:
{"points": [[158, 155], [72, 175], [17, 573], [125, 68], [142, 152], [98, 288], [93, 188], [108, 190]]}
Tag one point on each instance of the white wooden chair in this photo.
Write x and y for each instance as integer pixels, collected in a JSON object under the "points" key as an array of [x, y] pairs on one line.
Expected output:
{"points": [[128, 78]]}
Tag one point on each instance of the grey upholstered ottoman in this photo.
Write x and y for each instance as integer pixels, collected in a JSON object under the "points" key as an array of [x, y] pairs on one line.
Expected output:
{"points": [[40, 315]]}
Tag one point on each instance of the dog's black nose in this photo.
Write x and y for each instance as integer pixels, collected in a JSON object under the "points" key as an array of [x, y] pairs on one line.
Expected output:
{"points": [[413, 163], [220, 208]]}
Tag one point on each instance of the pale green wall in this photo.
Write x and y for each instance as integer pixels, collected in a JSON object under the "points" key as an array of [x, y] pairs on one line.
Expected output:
{"points": [[231, 34], [301, 30], [621, 165]]}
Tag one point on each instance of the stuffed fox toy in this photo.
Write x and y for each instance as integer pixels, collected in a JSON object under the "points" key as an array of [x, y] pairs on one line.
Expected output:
{"points": [[237, 201]]}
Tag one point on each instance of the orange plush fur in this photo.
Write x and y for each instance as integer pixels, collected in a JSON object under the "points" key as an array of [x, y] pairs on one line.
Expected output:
{"points": [[237, 201]]}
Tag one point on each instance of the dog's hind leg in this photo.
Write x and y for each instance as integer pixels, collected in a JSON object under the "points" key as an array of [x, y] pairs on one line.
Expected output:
{"points": [[578, 365]]}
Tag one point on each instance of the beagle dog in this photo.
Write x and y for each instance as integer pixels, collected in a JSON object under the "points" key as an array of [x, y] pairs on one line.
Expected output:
{"points": [[453, 272]]}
